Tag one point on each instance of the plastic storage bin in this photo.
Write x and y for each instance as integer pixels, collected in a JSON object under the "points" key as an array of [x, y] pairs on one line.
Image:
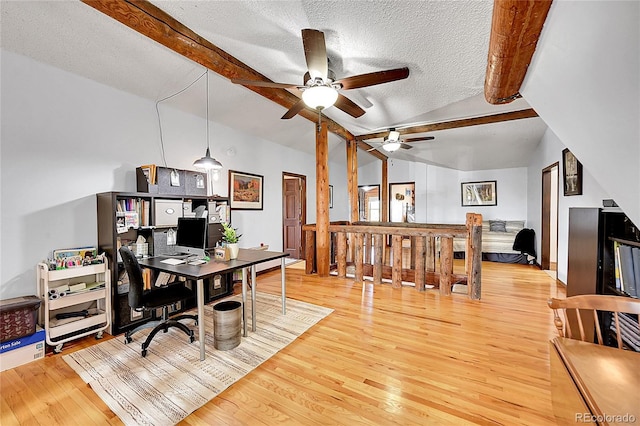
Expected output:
{"points": [[18, 317]]}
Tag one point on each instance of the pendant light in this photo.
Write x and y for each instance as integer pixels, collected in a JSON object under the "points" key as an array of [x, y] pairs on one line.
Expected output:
{"points": [[207, 162]]}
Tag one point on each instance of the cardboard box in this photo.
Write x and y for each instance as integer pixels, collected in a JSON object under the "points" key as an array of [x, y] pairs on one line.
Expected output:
{"points": [[23, 350]]}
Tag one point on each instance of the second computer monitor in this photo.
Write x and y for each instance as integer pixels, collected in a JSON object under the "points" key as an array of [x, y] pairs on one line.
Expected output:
{"points": [[191, 236]]}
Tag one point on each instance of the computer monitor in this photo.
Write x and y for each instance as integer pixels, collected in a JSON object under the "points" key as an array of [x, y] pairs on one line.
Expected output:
{"points": [[191, 236]]}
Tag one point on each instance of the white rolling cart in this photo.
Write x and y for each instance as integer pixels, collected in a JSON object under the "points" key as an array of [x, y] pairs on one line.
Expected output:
{"points": [[76, 302]]}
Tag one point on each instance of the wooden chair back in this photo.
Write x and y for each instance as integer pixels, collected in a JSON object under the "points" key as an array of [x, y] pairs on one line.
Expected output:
{"points": [[594, 303]]}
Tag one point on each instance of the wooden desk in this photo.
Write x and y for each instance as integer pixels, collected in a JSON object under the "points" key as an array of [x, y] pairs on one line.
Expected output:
{"points": [[592, 380], [246, 259]]}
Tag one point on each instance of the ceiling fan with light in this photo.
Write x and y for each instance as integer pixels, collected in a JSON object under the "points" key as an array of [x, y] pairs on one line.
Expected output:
{"points": [[393, 143], [320, 88]]}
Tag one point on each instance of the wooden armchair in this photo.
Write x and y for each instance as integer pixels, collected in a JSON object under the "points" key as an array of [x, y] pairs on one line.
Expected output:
{"points": [[594, 303]]}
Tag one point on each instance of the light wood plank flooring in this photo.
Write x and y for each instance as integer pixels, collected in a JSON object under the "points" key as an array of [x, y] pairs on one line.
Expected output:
{"points": [[383, 357]]}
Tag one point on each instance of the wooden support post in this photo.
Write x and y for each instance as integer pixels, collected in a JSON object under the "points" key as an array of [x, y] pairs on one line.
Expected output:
{"points": [[342, 254], [310, 251], [396, 270], [359, 275], [352, 178], [378, 248], [419, 269], [412, 251], [446, 265], [431, 254], [322, 201]]}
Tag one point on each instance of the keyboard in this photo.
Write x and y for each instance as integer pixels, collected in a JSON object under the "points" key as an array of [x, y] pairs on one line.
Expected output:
{"points": [[175, 255]]}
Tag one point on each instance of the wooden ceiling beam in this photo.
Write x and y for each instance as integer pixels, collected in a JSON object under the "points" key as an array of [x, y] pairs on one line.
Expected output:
{"points": [[515, 29], [152, 22], [466, 122]]}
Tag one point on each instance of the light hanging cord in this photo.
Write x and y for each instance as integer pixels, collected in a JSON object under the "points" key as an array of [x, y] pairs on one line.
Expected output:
{"points": [[207, 162]]}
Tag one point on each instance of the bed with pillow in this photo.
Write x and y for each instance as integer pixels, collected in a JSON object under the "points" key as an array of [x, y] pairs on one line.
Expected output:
{"points": [[498, 238]]}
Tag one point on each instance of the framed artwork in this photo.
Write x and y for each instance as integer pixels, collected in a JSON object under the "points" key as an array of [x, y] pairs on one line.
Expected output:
{"points": [[245, 190], [571, 173], [330, 196], [479, 193]]}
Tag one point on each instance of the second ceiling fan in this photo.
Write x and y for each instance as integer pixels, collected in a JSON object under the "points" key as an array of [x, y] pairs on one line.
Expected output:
{"points": [[320, 88], [393, 143]]}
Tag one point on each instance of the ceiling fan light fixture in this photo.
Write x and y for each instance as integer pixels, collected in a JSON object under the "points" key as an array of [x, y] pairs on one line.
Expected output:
{"points": [[391, 146], [320, 97], [207, 162]]}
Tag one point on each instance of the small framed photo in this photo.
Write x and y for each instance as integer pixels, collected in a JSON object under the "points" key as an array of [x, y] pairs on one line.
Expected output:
{"points": [[571, 173], [245, 190], [479, 193]]}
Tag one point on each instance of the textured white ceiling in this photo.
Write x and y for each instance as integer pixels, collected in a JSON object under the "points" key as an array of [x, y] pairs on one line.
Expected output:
{"points": [[444, 44]]}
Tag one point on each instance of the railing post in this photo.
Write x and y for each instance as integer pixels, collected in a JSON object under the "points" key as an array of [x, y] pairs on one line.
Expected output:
{"points": [[474, 275], [446, 265], [310, 251]]}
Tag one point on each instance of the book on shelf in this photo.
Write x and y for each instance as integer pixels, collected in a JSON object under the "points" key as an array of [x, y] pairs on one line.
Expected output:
{"points": [[628, 282], [616, 257]]}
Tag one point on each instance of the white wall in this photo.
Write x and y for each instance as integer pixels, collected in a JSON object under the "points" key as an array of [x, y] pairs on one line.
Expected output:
{"points": [[549, 151], [584, 82], [66, 138], [438, 190]]}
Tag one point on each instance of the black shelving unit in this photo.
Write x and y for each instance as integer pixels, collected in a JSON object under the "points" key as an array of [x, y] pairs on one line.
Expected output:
{"points": [[111, 233]]}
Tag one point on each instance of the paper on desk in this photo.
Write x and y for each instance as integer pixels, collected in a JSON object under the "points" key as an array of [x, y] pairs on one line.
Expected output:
{"points": [[172, 261]]}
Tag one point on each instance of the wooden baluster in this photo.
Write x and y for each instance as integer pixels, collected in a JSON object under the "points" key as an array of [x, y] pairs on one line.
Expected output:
{"points": [[342, 254], [412, 251], [396, 271], [377, 265], [446, 265], [431, 254], [367, 248], [420, 254], [358, 257]]}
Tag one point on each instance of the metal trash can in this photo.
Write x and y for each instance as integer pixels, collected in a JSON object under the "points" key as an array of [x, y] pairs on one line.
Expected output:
{"points": [[227, 325]]}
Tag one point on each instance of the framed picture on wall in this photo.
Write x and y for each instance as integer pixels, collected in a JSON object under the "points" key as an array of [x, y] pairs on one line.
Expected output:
{"points": [[479, 193], [245, 190], [571, 173]]}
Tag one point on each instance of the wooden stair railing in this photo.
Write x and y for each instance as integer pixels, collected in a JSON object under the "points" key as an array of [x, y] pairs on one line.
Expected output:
{"points": [[363, 245]]}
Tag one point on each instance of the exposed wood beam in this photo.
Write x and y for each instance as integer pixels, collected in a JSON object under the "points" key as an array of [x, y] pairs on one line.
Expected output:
{"points": [[323, 243], [466, 122], [152, 22], [515, 30]]}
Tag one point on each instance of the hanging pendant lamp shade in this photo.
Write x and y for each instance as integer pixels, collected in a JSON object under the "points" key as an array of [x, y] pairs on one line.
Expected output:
{"points": [[208, 162]]}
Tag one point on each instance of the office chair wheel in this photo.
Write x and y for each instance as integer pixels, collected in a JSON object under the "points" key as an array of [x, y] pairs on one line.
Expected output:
{"points": [[127, 339], [144, 353], [192, 338], [99, 335]]}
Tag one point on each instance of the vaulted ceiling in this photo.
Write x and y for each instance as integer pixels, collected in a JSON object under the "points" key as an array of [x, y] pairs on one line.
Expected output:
{"points": [[444, 45]]}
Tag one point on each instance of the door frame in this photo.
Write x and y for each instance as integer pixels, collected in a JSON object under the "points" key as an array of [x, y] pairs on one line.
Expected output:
{"points": [[545, 222], [302, 179]]}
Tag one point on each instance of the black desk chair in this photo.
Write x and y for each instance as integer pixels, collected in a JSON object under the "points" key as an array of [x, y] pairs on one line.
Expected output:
{"points": [[159, 297]]}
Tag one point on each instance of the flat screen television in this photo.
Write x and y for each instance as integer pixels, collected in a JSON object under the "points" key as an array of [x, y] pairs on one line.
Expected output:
{"points": [[191, 236]]}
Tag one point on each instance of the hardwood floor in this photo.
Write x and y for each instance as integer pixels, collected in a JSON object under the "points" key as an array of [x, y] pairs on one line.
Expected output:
{"points": [[383, 357]]}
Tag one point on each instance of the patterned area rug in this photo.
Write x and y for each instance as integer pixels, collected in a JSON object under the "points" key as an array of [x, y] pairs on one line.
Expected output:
{"points": [[172, 382]]}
